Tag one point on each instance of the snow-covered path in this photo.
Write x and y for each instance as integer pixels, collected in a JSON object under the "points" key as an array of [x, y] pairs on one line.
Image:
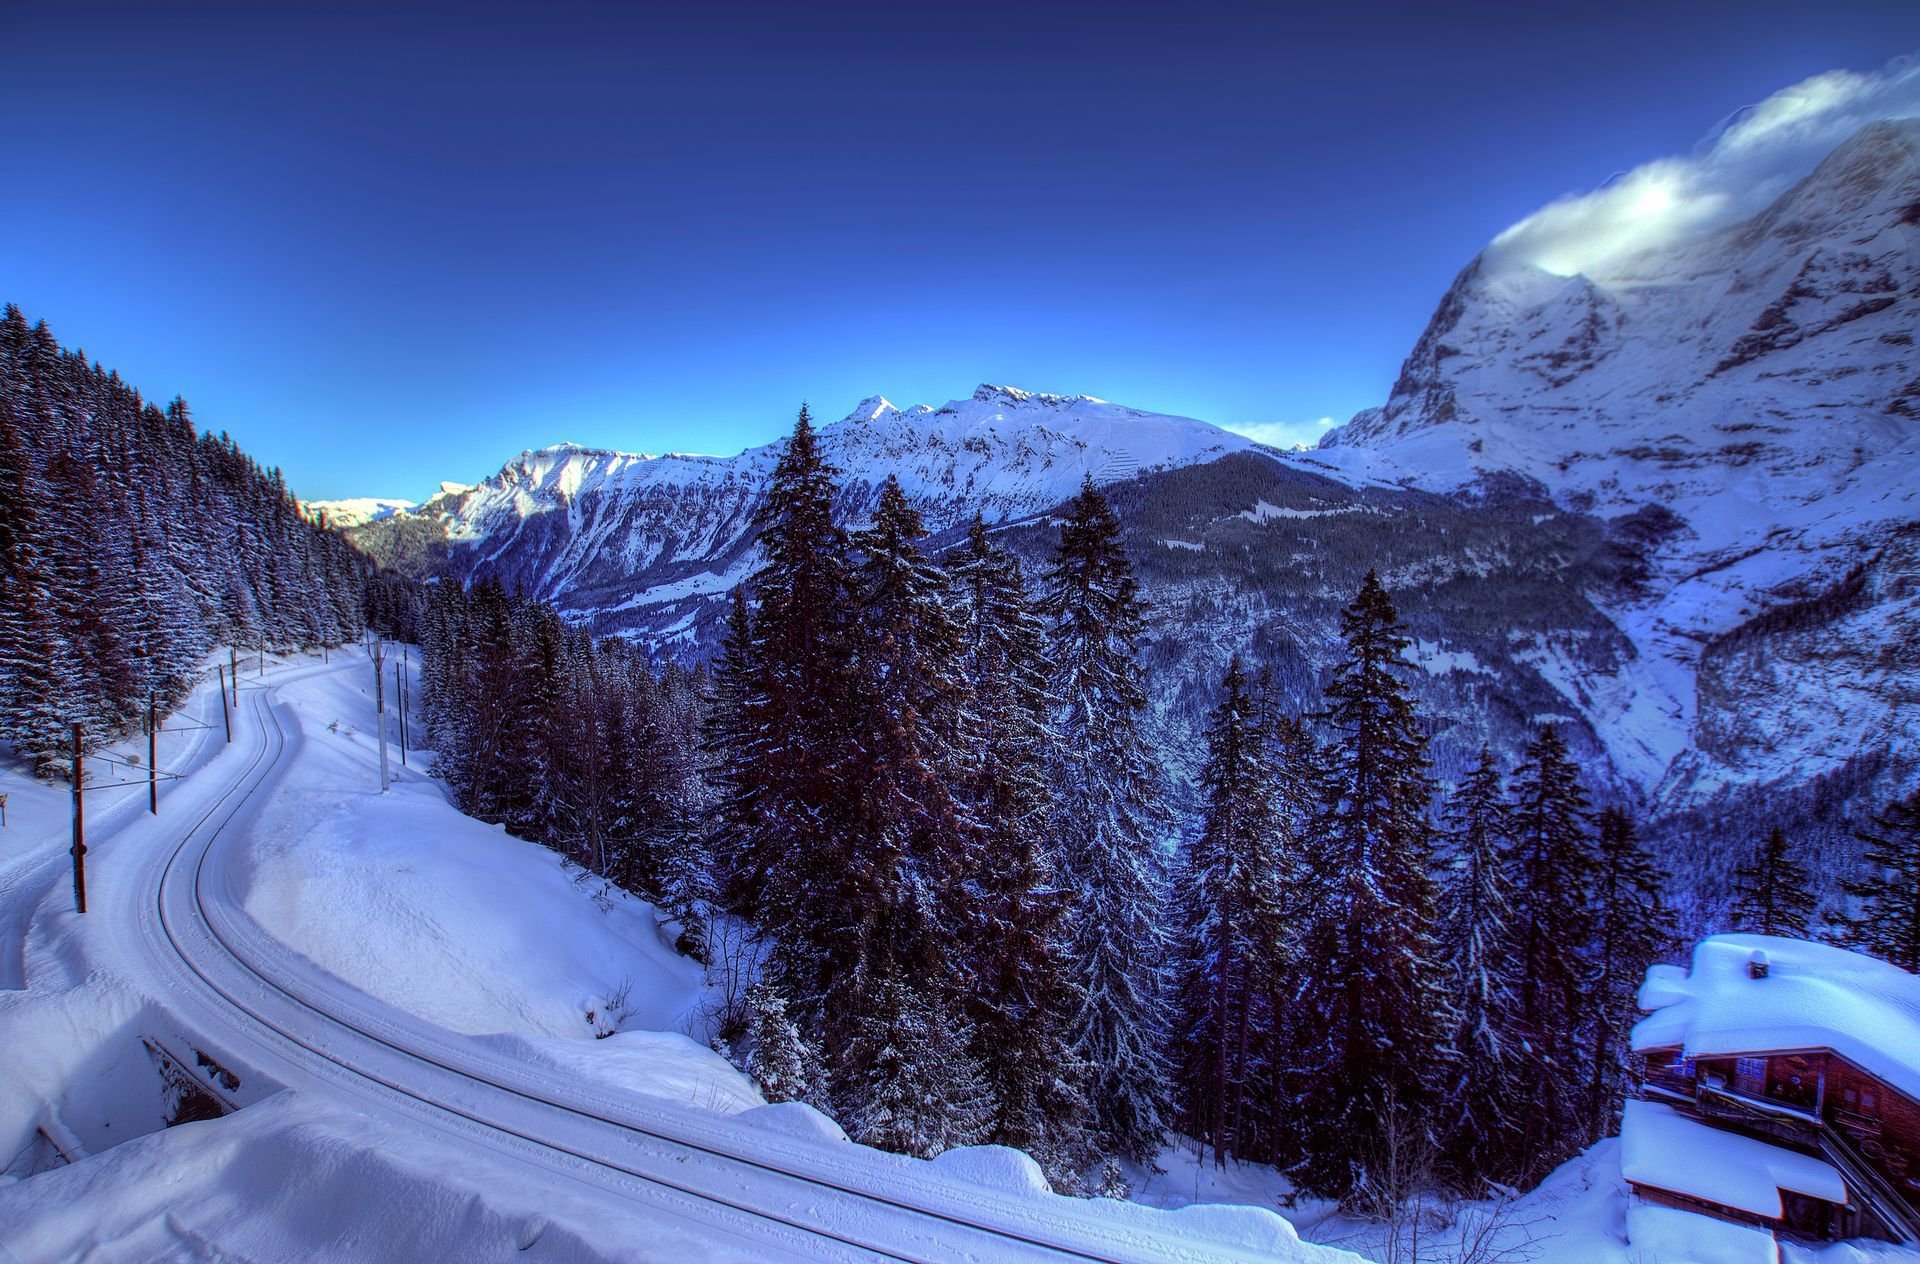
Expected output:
{"points": [[172, 909]]}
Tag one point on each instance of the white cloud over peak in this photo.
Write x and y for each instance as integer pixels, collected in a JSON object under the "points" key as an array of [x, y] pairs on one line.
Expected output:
{"points": [[1282, 434], [1751, 159]]}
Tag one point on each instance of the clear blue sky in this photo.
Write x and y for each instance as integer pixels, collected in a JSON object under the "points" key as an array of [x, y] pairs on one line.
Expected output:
{"points": [[384, 250]]}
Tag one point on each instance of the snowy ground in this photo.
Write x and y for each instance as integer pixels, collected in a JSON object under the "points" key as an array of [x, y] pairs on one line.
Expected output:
{"points": [[396, 1000], [444, 936]]}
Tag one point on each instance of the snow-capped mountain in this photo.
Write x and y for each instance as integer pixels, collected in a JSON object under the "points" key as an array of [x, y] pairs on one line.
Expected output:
{"points": [[625, 538], [1754, 397], [1671, 507], [355, 511]]}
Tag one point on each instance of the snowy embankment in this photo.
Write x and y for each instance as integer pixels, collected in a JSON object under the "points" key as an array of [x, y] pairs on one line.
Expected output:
{"points": [[417, 929]]}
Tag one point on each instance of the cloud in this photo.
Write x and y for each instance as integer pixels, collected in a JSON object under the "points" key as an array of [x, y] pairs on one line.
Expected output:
{"points": [[1744, 164], [1282, 434]]}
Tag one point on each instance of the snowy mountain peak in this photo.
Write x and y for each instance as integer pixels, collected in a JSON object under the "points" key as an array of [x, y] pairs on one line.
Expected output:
{"points": [[872, 408], [1014, 397]]}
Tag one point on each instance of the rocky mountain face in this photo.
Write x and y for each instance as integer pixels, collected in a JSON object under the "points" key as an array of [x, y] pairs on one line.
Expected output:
{"points": [[1755, 393], [1671, 508], [644, 545]]}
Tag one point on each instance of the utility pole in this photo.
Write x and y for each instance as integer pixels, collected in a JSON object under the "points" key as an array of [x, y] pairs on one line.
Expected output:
{"points": [[263, 656], [225, 714], [233, 665], [378, 651], [400, 704], [153, 756], [79, 827]]}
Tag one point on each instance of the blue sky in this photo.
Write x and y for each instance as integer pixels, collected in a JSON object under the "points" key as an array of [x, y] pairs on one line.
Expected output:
{"points": [[385, 249]]}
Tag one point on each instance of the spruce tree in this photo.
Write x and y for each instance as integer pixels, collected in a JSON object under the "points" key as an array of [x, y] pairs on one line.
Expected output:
{"points": [[1886, 888], [782, 1063], [1369, 1007], [1109, 823], [1232, 934], [1633, 927], [802, 726], [1023, 995], [1489, 1087], [1773, 893], [1550, 871], [887, 923]]}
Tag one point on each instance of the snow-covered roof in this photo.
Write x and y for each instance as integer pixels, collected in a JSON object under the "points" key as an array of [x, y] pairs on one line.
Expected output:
{"points": [[1664, 1149], [1814, 996], [1672, 1236]]}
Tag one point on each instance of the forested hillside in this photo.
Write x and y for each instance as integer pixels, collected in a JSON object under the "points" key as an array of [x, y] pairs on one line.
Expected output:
{"points": [[131, 544]]}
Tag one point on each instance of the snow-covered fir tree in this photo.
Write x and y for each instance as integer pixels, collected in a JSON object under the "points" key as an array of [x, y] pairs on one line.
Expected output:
{"points": [[1369, 1005], [1885, 890], [886, 928], [911, 1084], [782, 1063], [1550, 870], [1233, 935], [1109, 822], [1631, 929], [1024, 992], [130, 545], [1490, 1080], [1773, 892]]}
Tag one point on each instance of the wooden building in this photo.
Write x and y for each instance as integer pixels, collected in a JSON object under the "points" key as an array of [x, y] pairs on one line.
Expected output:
{"points": [[1808, 1051]]}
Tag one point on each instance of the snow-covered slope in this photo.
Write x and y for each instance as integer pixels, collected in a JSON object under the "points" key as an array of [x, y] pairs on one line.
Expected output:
{"points": [[627, 537], [355, 511], [1754, 395]]}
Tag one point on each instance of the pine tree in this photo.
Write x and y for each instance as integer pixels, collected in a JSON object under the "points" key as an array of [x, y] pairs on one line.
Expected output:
{"points": [[802, 726], [1109, 823], [1886, 888], [1490, 1084], [1550, 871], [886, 924], [784, 1066], [908, 1083], [1633, 927], [1232, 933], [1023, 994], [1773, 893], [1369, 1006]]}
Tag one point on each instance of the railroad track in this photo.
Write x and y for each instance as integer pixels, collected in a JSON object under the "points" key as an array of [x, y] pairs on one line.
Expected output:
{"points": [[783, 1197]]}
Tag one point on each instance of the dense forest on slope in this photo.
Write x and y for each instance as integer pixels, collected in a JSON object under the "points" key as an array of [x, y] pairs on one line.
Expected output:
{"points": [[131, 544]]}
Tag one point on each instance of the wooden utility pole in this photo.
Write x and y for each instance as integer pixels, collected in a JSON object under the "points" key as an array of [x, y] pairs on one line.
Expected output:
{"points": [[233, 666], [225, 714], [79, 827], [263, 656], [378, 650], [153, 755], [400, 705]]}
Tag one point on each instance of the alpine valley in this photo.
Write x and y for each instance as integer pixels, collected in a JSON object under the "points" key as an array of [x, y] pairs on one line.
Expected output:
{"points": [[1670, 503]]}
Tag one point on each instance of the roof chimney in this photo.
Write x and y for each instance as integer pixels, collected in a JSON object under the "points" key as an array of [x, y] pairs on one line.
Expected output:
{"points": [[1757, 964]]}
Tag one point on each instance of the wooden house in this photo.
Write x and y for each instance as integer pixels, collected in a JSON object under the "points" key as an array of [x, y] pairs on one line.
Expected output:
{"points": [[1785, 1062]]}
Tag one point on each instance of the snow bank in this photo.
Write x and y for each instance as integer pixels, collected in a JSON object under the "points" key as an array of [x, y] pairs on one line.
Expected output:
{"points": [[292, 1178], [1666, 1235]]}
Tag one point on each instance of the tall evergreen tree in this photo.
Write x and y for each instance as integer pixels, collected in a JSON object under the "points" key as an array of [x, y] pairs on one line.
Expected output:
{"points": [[1109, 822], [801, 719], [1550, 870], [1023, 994], [1232, 934], [887, 924], [1490, 1085], [1370, 1002], [1773, 893], [1886, 888], [1633, 927]]}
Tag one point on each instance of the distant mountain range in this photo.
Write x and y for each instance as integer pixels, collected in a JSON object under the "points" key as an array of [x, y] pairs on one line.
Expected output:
{"points": [[1672, 505]]}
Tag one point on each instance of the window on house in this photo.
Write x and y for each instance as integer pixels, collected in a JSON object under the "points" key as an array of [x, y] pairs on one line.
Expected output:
{"points": [[1750, 1069]]}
